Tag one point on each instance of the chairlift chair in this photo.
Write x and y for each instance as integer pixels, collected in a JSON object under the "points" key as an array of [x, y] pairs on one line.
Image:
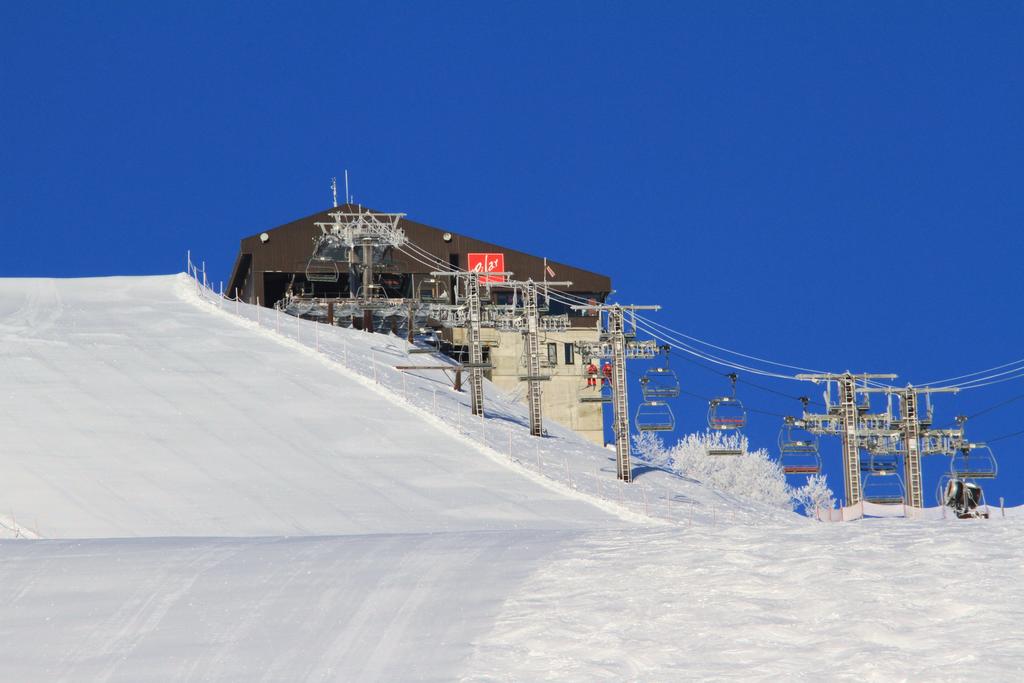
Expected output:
{"points": [[973, 461], [597, 389], [322, 270], [880, 463], [426, 341], [654, 416], [374, 290], [880, 480], [727, 413], [724, 452], [426, 288], [798, 448], [602, 395], [660, 382]]}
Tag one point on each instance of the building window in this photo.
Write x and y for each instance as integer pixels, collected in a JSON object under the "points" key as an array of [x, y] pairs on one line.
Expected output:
{"points": [[462, 353], [570, 351], [453, 260], [552, 354]]}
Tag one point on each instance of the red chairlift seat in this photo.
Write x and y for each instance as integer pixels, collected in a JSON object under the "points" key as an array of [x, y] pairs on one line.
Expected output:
{"points": [[727, 413], [798, 449]]}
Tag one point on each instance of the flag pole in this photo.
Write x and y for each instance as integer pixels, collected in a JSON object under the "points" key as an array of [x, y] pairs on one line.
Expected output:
{"points": [[546, 300]]}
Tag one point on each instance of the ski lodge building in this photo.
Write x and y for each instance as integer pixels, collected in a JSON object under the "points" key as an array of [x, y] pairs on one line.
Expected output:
{"points": [[274, 264]]}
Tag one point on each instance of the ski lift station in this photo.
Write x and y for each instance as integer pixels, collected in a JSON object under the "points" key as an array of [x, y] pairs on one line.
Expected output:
{"points": [[354, 267], [545, 332]]}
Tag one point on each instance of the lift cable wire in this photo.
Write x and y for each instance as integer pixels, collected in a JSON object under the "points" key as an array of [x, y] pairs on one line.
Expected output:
{"points": [[433, 263], [1004, 436], [973, 380], [718, 373], [974, 374], [978, 380], [723, 349], [747, 382], [666, 334], [969, 385], [780, 393], [995, 406], [425, 258], [749, 409], [554, 336], [571, 299], [419, 254], [666, 331], [685, 347], [670, 331]]}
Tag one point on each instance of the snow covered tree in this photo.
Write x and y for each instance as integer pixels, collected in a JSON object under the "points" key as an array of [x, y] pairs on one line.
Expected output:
{"points": [[752, 475], [814, 495], [652, 448]]}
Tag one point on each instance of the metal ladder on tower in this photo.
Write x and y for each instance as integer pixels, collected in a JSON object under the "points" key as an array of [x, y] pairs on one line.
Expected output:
{"points": [[533, 392], [851, 458], [476, 353], [620, 401], [912, 455]]}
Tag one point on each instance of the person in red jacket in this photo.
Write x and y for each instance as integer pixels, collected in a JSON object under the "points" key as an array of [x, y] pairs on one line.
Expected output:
{"points": [[607, 371], [591, 375]]}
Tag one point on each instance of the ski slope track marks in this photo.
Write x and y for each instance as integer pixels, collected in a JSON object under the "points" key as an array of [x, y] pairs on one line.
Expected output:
{"points": [[226, 495]]}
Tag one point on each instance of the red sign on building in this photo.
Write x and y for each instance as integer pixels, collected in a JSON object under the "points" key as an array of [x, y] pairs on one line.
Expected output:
{"points": [[487, 263]]}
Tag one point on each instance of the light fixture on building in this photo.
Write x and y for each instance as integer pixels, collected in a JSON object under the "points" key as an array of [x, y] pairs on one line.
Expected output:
{"points": [[447, 237], [264, 237]]}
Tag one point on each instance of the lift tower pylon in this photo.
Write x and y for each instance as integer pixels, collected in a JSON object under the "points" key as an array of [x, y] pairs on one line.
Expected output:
{"points": [[472, 308], [532, 339], [531, 344], [476, 348], [912, 432], [620, 399], [848, 413], [851, 459], [911, 427]]}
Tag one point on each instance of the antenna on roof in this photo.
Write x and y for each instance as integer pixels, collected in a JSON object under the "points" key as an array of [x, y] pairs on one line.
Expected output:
{"points": [[334, 191], [348, 197]]}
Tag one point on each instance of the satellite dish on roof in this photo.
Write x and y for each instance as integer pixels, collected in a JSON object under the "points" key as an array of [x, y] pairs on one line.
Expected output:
{"points": [[264, 237]]}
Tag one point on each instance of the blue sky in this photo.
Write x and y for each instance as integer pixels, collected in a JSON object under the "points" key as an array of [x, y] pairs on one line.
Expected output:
{"points": [[834, 185]]}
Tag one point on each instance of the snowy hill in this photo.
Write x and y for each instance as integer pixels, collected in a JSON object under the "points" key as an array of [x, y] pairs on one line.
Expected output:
{"points": [[226, 494], [132, 412]]}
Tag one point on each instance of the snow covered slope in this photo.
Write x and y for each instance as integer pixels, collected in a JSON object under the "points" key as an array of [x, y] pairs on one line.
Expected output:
{"points": [[224, 494], [395, 607], [873, 600], [129, 411]]}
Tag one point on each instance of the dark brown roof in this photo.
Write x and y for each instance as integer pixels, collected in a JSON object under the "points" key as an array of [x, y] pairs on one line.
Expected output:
{"points": [[290, 246]]}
